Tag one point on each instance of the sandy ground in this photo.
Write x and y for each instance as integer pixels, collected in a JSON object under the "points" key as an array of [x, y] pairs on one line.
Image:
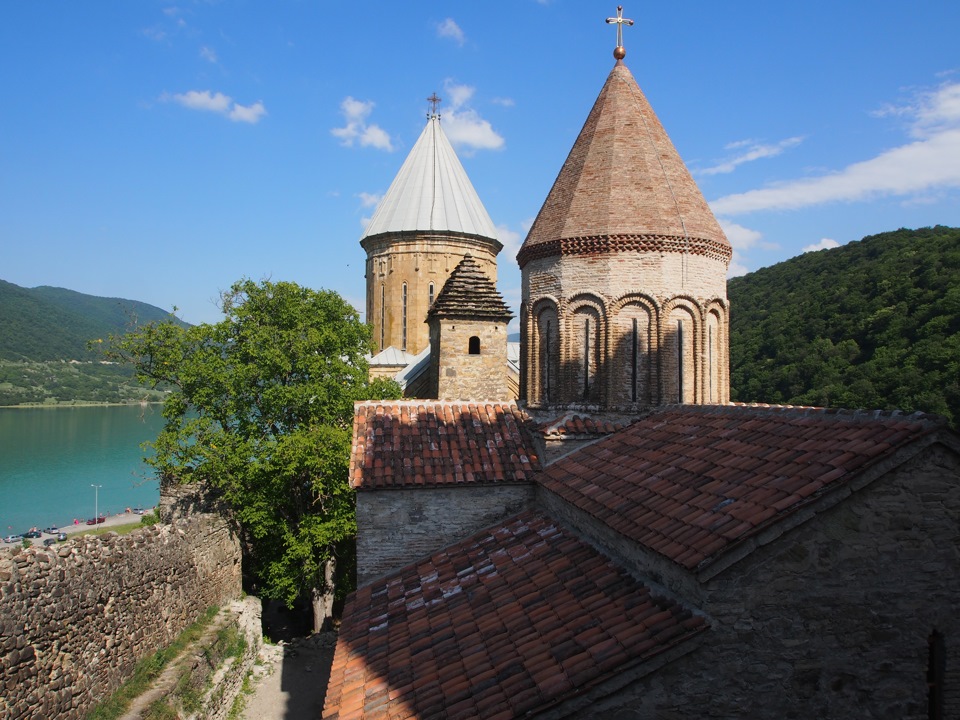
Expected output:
{"points": [[290, 681]]}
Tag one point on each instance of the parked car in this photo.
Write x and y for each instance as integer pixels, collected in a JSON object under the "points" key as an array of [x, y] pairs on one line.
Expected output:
{"points": [[50, 541], [13, 538], [61, 536], [32, 533], [138, 511], [96, 520], [52, 530]]}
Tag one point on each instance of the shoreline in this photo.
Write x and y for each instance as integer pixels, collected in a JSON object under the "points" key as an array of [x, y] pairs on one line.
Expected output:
{"points": [[79, 403], [124, 518]]}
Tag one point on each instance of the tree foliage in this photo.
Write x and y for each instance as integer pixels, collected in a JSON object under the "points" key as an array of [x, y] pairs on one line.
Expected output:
{"points": [[261, 411], [871, 324]]}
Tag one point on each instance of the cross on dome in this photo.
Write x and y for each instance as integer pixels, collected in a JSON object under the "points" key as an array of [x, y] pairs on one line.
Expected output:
{"points": [[619, 52], [434, 104]]}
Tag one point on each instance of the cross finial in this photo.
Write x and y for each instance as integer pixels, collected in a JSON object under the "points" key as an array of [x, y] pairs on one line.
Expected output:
{"points": [[434, 104], [619, 52]]}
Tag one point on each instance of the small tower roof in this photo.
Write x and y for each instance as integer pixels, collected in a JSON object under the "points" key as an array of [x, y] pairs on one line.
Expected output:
{"points": [[623, 179], [469, 293], [431, 193]]}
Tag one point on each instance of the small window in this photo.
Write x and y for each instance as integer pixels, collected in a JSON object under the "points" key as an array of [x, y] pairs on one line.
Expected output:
{"points": [[474, 345], [430, 292]]}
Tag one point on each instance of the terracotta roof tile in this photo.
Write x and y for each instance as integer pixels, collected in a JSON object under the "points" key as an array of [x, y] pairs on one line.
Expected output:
{"points": [[408, 443], [689, 481], [498, 625]]}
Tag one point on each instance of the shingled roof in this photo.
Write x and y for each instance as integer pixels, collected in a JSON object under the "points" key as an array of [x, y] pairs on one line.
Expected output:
{"points": [[414, 443], [516, 617], [469, 293], [688, 482], [624, 187]]}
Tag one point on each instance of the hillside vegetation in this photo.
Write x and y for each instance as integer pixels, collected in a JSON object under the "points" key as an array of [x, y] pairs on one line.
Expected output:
{"points": [[48, 323], [44, 353], [871, 324]]}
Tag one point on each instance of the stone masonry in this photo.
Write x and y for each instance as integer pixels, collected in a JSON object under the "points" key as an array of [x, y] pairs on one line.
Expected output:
{"points": [[75, 618]]}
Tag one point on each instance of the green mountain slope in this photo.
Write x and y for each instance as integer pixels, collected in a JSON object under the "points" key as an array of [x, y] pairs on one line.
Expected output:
{"points": [[872, 324], [48, 323]]}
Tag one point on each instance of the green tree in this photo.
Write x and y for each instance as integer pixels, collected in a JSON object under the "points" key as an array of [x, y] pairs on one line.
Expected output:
{"points": [[260, 414]]}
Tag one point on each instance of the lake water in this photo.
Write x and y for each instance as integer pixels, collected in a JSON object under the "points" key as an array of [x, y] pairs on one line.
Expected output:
{"points": [[50, 457]]}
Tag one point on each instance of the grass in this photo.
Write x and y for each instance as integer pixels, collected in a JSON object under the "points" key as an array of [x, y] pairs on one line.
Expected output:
{"points": [[148, 670], [119, 529]]}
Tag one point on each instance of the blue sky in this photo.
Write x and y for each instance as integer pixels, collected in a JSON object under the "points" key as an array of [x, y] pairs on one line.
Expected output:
{"points": [[159, 151]]}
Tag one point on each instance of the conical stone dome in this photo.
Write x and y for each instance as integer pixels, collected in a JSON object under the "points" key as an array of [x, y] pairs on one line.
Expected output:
{"points": [[624, 300], [624, 187]]}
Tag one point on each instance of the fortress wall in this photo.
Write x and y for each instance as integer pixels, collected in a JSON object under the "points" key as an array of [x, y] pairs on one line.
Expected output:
{"points": [[75, 618]]}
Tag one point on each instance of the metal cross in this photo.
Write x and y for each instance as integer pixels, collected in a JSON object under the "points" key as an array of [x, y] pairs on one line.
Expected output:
{"points": [[434, 103], [620, 21]]}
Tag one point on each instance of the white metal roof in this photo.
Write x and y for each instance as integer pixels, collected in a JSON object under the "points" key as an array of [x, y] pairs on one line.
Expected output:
{"points": [[431, 192]]}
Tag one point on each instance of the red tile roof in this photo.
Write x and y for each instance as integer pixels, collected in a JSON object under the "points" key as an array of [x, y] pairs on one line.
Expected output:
{"points": [[415, 443], [690, 481], [515, 617]]}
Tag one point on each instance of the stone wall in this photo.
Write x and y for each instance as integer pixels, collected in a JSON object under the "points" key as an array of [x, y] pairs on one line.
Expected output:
{"points": [[455, 373], [75, 618], [397, 527], [415, 261], [831, 619]]}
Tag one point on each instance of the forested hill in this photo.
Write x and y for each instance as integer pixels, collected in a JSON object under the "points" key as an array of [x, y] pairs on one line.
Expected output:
{"points": [[871, 324], [48, 323]]}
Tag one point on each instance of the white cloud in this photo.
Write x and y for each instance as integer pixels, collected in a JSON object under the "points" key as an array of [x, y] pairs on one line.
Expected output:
{"points": [[504, 101], [247, 113], [511, 242], [208, 54], [449, 29], [356, 112], [207, 101], [369, 199], [931, 163], [463, 125], [755, 151], [740, 237], [824, 244]]}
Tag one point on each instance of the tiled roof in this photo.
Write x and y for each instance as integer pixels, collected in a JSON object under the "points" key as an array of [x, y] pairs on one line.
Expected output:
{"points": [[624, 187], [573, 424], [412, 443], [469, 293], [498, 625], [690, 481], [432, 193]]}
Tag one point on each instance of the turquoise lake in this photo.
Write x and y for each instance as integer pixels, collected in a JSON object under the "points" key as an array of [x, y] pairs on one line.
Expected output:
{"points": [[50, 458]]}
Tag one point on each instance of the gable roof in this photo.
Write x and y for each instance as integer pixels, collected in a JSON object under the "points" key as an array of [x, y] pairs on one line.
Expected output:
{"points": [[469, 293], [415, 443], [623, 185], [689, 481], [518, 616], [431, 193]]}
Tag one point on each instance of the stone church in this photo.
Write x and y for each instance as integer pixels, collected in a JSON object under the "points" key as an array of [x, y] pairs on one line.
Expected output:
{"points": [[585, 526]]}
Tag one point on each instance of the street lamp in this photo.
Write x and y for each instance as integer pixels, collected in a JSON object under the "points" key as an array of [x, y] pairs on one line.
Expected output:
{"points": [[96, 501]]}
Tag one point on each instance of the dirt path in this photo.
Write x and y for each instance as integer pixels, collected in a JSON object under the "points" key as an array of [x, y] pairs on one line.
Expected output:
{"points": [[292, 681]]}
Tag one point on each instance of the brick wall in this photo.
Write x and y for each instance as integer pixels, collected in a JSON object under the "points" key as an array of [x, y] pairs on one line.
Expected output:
{"points": [[615, 322], [76, 618]]}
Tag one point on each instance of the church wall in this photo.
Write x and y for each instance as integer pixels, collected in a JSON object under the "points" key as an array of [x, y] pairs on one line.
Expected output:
{"points": [[415, 260], [832, 619], [75, 618], [397, 527], [618, 317]]}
